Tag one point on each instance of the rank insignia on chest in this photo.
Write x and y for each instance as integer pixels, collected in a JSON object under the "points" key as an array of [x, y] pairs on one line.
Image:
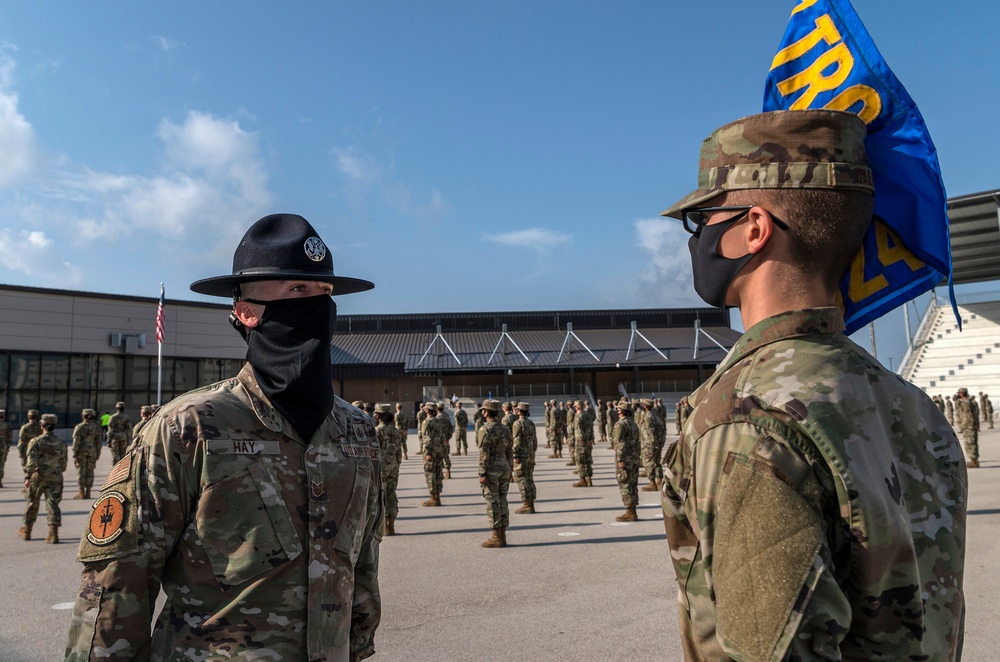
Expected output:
{"points": [[360, 433], [107, 518], [318, 489]]}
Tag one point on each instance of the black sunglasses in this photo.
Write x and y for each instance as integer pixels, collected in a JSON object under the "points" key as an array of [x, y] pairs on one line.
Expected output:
{"points": [[696, 218]]}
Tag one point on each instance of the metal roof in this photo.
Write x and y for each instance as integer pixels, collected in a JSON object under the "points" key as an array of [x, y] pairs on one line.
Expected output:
{"points": [[975, 236], [474, 349]]}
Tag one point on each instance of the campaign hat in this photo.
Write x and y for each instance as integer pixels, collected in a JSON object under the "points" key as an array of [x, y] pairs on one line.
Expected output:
{"points": [[280, 247]]}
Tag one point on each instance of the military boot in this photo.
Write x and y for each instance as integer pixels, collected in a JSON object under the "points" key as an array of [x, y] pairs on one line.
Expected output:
{"points": [[503, 536], [405, 456], [25, 532], [553, 456], [649, 488], [581, 483], [86, 493], [390, 527], [590, 482], [53, 537], [435, 500], [495, 540], [974, 464], [79, 494], [628, 516], [447, 472], [570, 464]]}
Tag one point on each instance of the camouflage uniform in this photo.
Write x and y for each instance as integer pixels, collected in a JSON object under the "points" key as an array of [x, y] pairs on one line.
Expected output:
{"points": [[548, 425], [559, 419], [967, 420], [434, 449], [652, 450], [402, 424], [949, 410], [390, 441], [496, 456], [988, 410], [461, 431], [584, 456], [570, 427], [30, 430], [266, 544], [45, 464], [447, 428], [5, 435], [815, 505], [86, 452], [625, 441], [119, 433], [509, 416], [612, 419], [525, 444]]}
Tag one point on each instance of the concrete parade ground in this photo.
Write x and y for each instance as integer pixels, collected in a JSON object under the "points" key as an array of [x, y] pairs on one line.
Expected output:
{"points": [[574, 584]]}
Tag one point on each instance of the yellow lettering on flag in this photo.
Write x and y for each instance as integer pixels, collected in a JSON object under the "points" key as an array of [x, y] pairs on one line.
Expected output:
{"points": [[805, 4], [890, 255], [852, 95], [825, 31], [815, 81], [859, 289]]}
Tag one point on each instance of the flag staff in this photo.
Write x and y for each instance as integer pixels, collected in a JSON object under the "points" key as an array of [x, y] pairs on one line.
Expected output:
{"points": [[159, 349]]}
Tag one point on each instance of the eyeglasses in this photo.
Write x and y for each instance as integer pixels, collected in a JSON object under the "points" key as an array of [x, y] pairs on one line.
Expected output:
{"points": [[696, 218]]}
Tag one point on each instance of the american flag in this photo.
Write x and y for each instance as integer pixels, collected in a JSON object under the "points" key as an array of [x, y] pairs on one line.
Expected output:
{"points": [[159, 318]]}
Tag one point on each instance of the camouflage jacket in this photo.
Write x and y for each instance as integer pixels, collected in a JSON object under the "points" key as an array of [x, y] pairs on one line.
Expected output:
{"points": [[569, 424], [432, 438], [5, 433], [28, 431], [525, 440], [559, 420], [625, 441], [496, 449], [447, 426], [87, 440], [119, 427], [966, 414], [508, 420], [46, 459], [548, 418], [655, 428], [583, 425], [401, 422], [461, 419], [390, 440], [987, 408], [815, 505], [266, 544]]}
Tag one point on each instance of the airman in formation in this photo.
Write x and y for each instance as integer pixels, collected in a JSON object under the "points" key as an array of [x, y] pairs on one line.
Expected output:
{"points": [[525, 443], [583, 454], [5, 435], [496, 456], [652, 432], [402, 424], [625, 442], [967, 420], [86, 451], [390, 441], [27, 433], [44, 466], [119, 432], [461, 430], [434, 449]]}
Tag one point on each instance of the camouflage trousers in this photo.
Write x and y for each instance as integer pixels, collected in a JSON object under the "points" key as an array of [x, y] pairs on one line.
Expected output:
{"points": [[447, 457], [603, 429], [524, 474], [971, 437], [389, 483], [571, 442], [584, 459], [85, 470], [557, 439], [434, 473], [461, 440], [607, 432], [628, 484], [652, 460], [52, 491], [117, 447], [406, 451], [495, 492], [4, 449]]}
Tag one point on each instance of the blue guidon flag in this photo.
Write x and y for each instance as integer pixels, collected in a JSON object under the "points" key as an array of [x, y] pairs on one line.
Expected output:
{"points": [[827, 59]]}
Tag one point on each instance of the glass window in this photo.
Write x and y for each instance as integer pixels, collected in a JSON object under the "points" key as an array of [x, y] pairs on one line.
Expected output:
{"points": [[54, 371], [83, 372], [24, 371], [109, 372], [138, 376], [185, 374]]}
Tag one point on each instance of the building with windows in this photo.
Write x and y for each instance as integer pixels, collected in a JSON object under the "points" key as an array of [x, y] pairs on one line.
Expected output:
{"points": [[62, 351]]}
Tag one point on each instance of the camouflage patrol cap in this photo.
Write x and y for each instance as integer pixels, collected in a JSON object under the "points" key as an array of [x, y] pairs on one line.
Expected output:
{"points": [[821, 148], [523, 406], [360, 404], [32, 413], [280, 247], [88, 412], [491, 405], [119, 405], [50, 419], [431, 405], [382, 409], [145, 410], [646, 402], [624, 405], [963, 391]]}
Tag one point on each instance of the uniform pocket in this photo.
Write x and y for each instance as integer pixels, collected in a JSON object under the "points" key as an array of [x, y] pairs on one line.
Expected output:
{"points": [[245, 526]]}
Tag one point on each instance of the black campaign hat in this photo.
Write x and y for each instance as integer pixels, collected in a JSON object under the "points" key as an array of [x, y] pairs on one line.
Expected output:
{"points": [[280, 247]]}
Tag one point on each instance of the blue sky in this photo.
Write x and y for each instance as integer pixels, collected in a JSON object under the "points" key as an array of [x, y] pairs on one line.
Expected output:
{"points": [[461, 155]]}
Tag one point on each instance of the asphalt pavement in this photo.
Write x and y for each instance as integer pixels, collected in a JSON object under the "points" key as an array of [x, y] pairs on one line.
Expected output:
{"points": [[574, 584]]}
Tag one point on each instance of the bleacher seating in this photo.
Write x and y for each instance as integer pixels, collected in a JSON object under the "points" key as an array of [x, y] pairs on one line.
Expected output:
{"points": [[945, 359]]}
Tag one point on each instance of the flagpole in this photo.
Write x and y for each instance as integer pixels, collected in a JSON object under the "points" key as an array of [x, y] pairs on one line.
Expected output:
{"points": [[159, 352]]}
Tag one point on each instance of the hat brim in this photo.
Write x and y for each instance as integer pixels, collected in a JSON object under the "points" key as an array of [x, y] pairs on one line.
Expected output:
{"points": [[222, 286], [692, 199]]}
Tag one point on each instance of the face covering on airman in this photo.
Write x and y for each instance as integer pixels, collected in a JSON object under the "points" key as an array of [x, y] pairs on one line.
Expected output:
{"points": [[290, 353], [713, 273]]}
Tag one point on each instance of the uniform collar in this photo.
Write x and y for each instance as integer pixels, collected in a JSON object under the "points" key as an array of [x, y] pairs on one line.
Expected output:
{"points": [[272, 419]]}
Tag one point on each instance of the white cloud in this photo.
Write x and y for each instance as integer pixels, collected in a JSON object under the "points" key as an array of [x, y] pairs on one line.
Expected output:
{"points": [[355, 166], [666, 276], [537, 239], [166, 45], [364, 174], [36, 256], [17, 137]]}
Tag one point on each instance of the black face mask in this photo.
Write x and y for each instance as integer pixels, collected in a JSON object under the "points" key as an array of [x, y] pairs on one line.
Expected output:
{"points": [[713, 273], [290, 353]]}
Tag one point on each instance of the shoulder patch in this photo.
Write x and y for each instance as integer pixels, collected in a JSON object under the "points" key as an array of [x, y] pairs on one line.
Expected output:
{"points": [[107, 518]]}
